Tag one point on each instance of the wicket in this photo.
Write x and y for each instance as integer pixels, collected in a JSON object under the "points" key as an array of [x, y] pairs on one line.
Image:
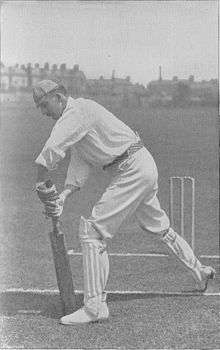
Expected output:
{"points": [[182, 180]]}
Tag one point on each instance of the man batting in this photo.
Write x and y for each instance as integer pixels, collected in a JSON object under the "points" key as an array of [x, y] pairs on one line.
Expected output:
{"points": [[97, 138]]}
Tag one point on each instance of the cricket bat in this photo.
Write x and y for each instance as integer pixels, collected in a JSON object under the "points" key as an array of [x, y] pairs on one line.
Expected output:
{"points": [[62, 267]]}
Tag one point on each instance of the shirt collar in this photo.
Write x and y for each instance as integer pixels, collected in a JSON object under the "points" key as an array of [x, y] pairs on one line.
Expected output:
{"points": [[70, 105]]}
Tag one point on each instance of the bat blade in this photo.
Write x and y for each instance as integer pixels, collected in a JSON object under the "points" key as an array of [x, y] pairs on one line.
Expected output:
{"points": [[62, 268]]}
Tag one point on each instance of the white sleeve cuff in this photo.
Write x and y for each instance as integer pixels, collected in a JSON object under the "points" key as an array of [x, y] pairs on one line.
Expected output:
{"points": [[49, 158]]}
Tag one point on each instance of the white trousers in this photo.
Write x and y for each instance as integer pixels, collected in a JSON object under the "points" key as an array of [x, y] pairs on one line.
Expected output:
{"points": [[133, 189]]}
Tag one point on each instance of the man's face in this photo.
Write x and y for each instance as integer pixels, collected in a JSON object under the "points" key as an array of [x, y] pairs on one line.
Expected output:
{"points": [[51, 107]]}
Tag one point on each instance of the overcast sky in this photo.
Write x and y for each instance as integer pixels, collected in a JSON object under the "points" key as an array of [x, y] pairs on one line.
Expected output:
{"points": [[132, 37]]}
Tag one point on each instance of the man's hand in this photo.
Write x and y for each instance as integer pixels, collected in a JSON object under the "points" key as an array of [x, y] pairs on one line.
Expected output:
{"points": [[46, 191], [54, 208], [49, 196], [53, 202]]}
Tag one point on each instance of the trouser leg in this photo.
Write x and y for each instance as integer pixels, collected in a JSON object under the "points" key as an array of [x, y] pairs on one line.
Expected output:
{"points": [[152, 218], [95, 267]]}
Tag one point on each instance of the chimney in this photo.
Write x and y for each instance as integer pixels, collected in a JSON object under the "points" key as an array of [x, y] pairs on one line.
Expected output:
{"points": [[160, 73]]}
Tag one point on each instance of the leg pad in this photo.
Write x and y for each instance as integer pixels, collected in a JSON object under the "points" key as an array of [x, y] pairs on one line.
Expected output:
{"points": [[95, 266]]}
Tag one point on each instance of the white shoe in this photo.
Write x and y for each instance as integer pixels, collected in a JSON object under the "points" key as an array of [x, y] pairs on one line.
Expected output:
{"points": [[103, 312], [82, 316], [206, 273]]}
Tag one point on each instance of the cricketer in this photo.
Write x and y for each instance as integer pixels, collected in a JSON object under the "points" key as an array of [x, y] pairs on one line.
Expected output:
{"points": [[96, 138]]}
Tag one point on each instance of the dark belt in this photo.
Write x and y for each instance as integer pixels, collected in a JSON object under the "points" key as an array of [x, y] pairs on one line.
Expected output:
{"points": [[134, 147]]}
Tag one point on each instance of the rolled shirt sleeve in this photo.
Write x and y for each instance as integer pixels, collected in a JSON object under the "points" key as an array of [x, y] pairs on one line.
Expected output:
{"points": [[68, 130]]}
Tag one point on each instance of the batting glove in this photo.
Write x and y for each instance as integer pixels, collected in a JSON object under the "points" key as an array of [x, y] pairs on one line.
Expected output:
{"points": [[53, 208], [46, 191]]}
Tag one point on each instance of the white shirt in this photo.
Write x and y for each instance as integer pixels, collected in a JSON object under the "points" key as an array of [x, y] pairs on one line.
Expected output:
{"points": [[94, 135]]}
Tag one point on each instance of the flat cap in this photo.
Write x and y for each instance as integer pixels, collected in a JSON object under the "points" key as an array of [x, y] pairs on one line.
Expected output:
{"points": [[42, 88]]}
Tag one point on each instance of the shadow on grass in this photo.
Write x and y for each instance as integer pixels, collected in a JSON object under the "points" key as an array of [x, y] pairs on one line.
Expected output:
{"points": [[15, 303], [46, 305]]}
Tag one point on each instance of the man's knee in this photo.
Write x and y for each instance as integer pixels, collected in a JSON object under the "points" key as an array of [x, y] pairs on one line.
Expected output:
{"points": [[87, 230], [88, 234]]}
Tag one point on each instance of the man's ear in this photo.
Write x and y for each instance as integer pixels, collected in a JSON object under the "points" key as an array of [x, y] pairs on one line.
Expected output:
{"points": [[59, 96]]}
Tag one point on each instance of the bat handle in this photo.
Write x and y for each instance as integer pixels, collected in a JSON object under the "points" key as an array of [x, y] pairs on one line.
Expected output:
{"points": [[56, 224]]}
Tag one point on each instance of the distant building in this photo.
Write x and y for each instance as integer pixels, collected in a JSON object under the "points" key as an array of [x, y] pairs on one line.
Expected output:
{"points": [[114, 90], [164, 91], [4, 77], [13, 78], [36, 74], [205, 91], [76, 81], [18, 78]]}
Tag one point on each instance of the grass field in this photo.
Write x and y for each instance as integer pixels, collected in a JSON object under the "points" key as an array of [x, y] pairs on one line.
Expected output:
{"points": [[183, 142]]}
